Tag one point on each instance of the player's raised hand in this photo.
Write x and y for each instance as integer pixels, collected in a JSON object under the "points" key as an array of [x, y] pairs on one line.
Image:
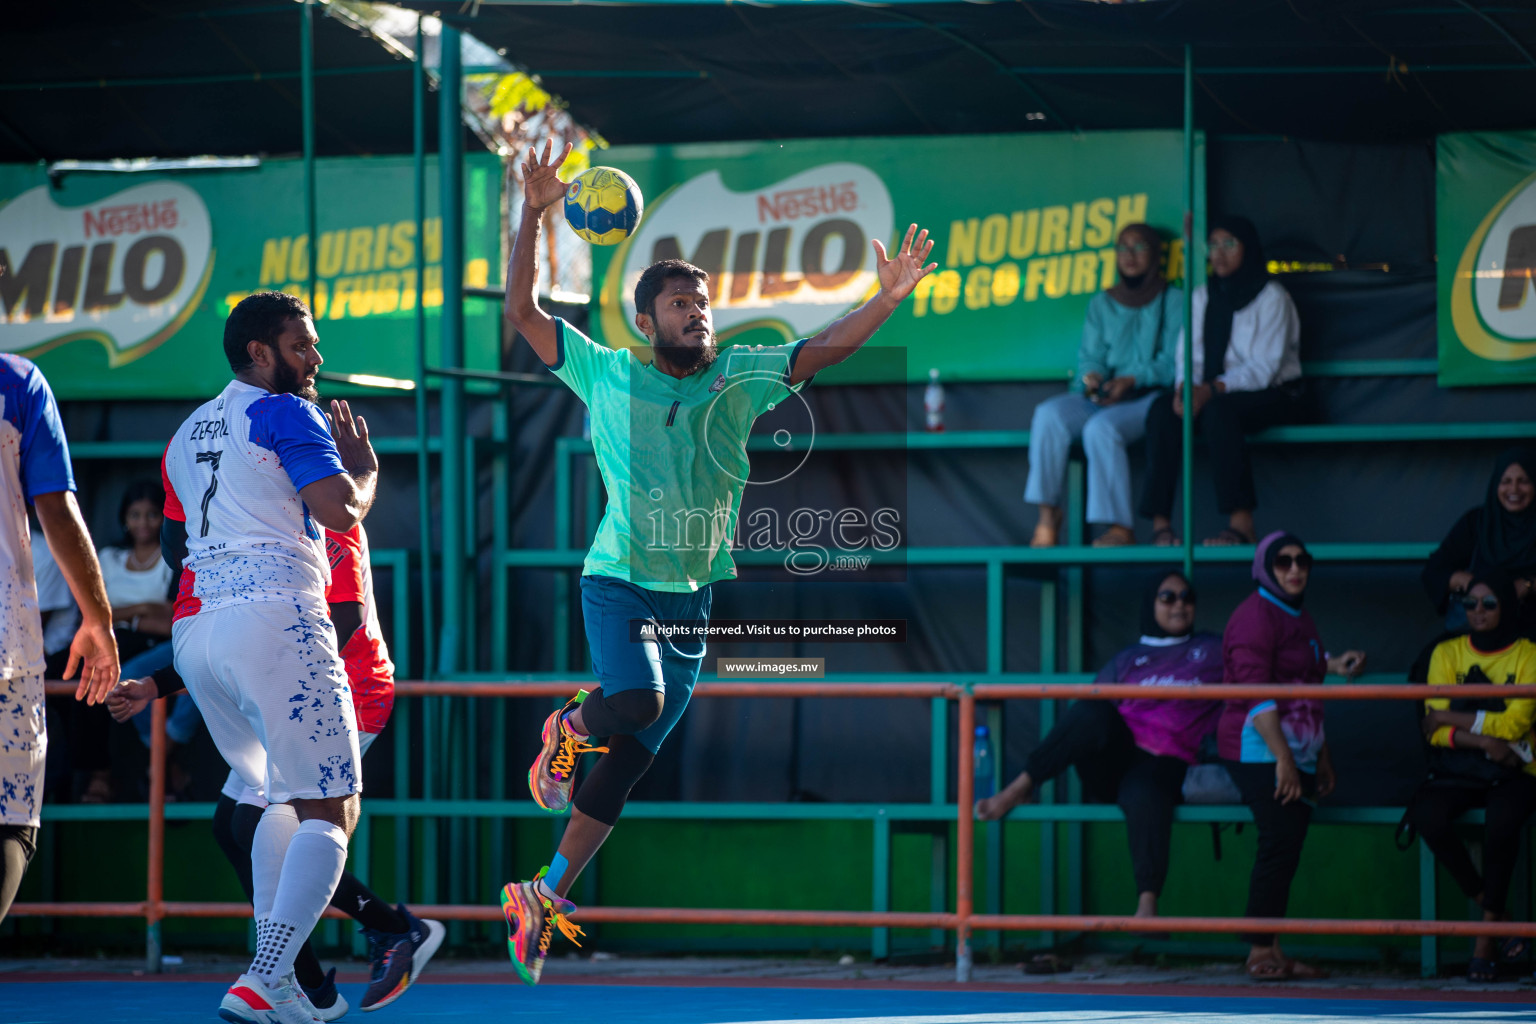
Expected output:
{"points": [[94, 653], [130, 697], [542, 186], [351, 435], [899, 274]]}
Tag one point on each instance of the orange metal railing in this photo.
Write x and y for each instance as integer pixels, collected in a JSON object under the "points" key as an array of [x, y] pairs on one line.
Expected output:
{"points": [[155, 908]]}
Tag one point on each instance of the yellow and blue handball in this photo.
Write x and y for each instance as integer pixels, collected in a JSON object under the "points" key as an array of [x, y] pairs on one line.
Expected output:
{"points": [[603, 205]]}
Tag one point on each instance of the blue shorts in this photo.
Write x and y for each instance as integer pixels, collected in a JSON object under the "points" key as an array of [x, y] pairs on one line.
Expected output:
{"points": [[672, 667]]}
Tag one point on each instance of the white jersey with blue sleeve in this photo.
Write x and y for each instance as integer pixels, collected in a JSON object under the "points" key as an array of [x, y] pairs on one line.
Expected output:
{"points": [[34, 460], [236, 467]]}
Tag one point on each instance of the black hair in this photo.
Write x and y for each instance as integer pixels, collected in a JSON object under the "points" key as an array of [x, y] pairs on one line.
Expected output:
{"points": [[657, 274], [260, 317], [147, 489], [1149, 624]]}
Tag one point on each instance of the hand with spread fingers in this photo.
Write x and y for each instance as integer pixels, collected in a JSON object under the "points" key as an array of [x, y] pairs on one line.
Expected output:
{"points": [[899, 274], [542, 186], [352, 444]]}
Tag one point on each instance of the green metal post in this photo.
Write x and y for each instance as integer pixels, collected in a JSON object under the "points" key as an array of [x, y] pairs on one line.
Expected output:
{"points": [[1189, 295], [423, 427], [1076, 624], [307, 103], [501, 510], [470, 638], [450, 172], [880, 938], [1048, 791], [1429, 948], [995, 621], [562, 583]]}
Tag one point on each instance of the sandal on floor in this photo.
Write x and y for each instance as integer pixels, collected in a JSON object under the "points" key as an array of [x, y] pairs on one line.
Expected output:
{"points": [[1115, 537], [1165, 538], [1514, 947], [1481, 970], [1306, 972], [1227, 538], [1046, 963], [1268, 970]]}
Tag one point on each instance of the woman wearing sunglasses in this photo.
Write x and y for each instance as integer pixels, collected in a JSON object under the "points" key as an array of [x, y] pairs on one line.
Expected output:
{"points": [[1247, 377], [1498, 534], [1126, 357], [1275, 750], [1135, 752], [1480, 756]]}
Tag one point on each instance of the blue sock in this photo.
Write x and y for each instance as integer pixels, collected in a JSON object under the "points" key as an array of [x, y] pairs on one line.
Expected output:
{"points": [[556, 871]]}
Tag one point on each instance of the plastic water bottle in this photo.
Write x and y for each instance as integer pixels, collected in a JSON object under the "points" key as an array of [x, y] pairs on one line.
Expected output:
{"points": [[933, 403], [982, 760]]}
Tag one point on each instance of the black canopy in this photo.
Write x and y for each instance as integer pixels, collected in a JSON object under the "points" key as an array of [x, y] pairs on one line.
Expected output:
{"points": [[1349, 70], [94, 79]]}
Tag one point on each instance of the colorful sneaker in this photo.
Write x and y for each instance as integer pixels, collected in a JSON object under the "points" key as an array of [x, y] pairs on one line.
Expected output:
{"points": [[532, 919], [325, 1001], [397, 960], [554, 770], [251, 1001]]}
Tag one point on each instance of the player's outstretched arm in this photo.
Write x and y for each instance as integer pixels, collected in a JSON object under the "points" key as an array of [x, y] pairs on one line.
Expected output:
{"points": [[542, 188], [898, 275], [341, 501], [94, 650]]}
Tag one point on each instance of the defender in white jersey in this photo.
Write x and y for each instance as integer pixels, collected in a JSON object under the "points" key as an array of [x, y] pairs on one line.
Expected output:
{"points": [[34, 467], [259, 474]]}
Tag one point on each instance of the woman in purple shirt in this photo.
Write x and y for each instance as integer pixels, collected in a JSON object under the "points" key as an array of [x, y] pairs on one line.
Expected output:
{"points": [[1135, 752], [1275, 750]]}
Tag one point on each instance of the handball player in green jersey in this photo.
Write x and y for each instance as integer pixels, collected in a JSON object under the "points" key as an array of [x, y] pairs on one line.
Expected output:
{"points": [[670, 437]]}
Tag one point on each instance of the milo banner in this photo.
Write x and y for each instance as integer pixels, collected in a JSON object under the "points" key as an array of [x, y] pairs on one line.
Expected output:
{"points": [[1025, 229], [118, 284], [1485, 228]]}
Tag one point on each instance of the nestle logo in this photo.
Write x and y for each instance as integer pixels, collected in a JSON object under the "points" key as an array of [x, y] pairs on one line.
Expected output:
{"points": [[131, 219], [811, 201]]}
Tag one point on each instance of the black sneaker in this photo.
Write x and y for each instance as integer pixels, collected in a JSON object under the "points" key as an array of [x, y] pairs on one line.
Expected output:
{"points": [[329, 1004], [396, 960]]}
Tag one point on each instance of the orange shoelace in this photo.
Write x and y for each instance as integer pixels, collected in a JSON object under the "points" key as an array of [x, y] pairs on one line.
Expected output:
{"points": [[563, 764]]}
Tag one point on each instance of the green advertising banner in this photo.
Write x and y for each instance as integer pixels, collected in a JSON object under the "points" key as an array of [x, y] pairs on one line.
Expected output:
{"points": [[118, 284], [1025, 227], [1485, 247]]}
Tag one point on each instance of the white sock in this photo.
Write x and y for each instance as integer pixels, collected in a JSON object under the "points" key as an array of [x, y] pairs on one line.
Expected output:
{"points": [[313, 866], [274, 831]]}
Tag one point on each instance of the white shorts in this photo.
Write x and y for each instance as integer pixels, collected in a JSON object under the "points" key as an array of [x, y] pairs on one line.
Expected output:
{"points": [[23, 748], [236, 789], [273, 692]]}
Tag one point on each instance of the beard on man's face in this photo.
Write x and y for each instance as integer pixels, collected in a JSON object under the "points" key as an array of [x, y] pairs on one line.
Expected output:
{"points": [[288, 382], [688, 351]]}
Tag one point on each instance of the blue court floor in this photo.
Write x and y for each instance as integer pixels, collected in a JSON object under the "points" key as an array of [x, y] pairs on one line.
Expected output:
{"points": [[105, 1002]]}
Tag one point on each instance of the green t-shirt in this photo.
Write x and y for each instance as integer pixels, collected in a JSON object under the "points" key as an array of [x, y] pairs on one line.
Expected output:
{"points": [[673, 455]]}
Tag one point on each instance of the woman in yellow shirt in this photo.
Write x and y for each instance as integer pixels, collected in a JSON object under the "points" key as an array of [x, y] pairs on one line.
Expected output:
{"points": [[1480, 756]]}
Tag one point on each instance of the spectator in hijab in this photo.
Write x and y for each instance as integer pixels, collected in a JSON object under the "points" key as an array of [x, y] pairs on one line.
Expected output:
{"points": [[1480, 756], [1275, 750], [1135, 752], [1247, 376], [1498, 534], [1123, 363]]}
